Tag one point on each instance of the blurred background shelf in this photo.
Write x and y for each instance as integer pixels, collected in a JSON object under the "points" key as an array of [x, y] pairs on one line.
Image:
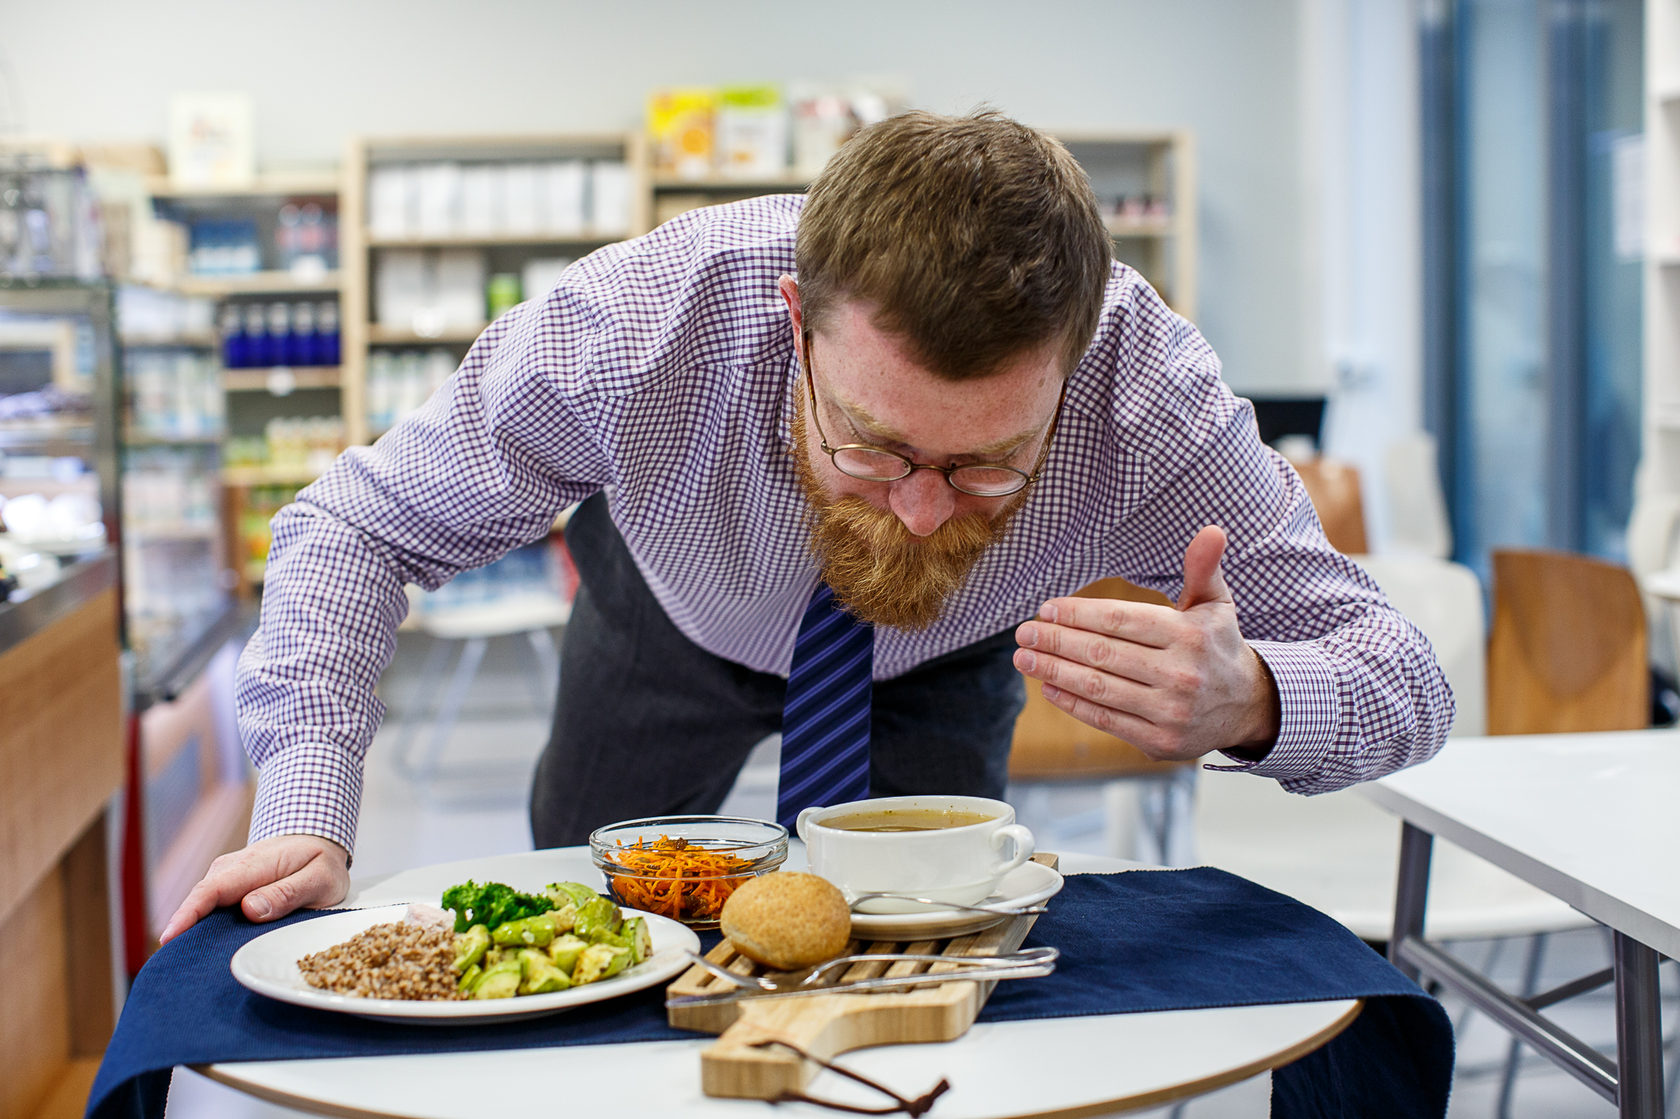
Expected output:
{"points": [[261, 283]]}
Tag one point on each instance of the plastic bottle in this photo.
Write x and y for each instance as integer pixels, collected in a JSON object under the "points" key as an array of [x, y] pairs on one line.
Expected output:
{"points": [[259, 351], [326, 326], [236, 351], [306, 344], [279, 334]]}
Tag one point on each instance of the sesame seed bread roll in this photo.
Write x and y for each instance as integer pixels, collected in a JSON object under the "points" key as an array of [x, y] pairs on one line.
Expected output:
{"points": [[787, 920]]}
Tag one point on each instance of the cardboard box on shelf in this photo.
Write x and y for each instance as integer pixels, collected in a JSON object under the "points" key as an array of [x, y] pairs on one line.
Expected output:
{"points": [[211, 139], [752, 131], [393, 200], [562, 197], [681, 125], [610, 189]]}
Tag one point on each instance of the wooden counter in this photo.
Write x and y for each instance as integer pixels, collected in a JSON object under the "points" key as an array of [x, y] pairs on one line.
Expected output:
{"points": [[61, 759]]}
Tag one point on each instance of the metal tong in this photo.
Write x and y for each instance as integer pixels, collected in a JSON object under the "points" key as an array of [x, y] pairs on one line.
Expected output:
{"points": [[1024, 964]]}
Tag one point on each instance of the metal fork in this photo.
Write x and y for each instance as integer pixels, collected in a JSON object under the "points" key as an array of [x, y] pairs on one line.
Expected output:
{"points": [[812, 977]]}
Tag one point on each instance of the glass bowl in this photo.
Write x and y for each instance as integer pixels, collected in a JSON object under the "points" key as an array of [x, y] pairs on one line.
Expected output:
{"points": [[685, 867]]}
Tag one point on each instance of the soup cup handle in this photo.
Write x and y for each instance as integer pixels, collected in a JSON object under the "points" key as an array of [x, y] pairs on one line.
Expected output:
{"points": [[804, 815], [1023, 842]]}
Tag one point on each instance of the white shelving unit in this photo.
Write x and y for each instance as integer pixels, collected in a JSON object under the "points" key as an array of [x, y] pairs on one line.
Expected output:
{"points": [[367, 240], [1659, 470], [1145, 181]]}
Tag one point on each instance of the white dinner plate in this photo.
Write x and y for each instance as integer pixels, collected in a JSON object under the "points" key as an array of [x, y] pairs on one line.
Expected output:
{"points": [[1027, 884], [268, 966]]}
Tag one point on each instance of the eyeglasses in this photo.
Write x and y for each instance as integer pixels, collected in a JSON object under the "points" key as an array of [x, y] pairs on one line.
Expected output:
{"points": [[877, 464]]}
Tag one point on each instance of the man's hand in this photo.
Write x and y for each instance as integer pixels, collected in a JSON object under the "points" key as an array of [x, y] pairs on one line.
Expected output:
{"points": [[269, 879], [1176, 683]]}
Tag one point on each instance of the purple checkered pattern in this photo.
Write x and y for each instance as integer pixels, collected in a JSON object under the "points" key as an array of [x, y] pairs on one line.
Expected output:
{"points": [[663, 370], [825, 719]]}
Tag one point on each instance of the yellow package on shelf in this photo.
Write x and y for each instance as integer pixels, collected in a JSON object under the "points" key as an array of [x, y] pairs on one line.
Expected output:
{"points": [[682, 124]]}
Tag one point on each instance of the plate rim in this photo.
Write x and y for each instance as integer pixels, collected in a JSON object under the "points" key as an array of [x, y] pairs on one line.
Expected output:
{"points": [[667, 961], [890, 925]]}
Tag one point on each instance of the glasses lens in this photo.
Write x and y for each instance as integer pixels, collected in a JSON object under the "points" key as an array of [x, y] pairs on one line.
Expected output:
{"points": [[871, 466], [987, 481]]}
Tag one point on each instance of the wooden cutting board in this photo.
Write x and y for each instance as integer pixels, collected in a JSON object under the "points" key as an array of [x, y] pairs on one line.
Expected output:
{"points": [[827, 1025]]}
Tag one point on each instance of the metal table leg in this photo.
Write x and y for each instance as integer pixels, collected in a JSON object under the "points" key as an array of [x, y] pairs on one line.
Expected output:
{"points": [[1411, 893], [1639, 1072]]}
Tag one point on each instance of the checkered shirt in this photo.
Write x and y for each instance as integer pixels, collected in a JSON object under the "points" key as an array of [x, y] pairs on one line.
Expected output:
{"points": [[663, 371]]}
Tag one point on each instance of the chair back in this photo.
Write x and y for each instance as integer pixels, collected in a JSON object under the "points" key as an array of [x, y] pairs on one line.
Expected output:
{"points": [[1333, 487], [1567, 646], [1050, 744], [1653, 534], [1417, 509], [1444, 600]]}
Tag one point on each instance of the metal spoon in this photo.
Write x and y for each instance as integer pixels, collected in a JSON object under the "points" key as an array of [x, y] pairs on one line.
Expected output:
{"points": [[1001, 910]]}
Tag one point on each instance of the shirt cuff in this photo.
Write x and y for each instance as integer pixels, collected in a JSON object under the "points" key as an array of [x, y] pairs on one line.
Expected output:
{"points": [[1310, 709], [309, 789]]}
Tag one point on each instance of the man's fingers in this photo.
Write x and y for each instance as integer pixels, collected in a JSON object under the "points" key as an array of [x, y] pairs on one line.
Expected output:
{"points": [[1143, 623], [314, 885], [228, 880], [1101, 686], [1203, 581], [1065, 649], [200, 900], [267, 880]]}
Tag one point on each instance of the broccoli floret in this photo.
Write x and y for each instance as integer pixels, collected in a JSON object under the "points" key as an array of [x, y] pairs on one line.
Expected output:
{"points": [[491, 904]]}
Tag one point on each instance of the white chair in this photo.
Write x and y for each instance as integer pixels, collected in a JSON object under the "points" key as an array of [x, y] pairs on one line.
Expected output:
{"points": [[1652, 538], [1412, 499]]}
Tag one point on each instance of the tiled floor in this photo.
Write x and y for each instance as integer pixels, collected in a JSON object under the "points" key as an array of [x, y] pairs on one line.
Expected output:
{"points": [[478, 807]]}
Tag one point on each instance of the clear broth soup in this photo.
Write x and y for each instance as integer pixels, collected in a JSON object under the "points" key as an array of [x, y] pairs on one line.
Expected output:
{"points": [[905, 819]]}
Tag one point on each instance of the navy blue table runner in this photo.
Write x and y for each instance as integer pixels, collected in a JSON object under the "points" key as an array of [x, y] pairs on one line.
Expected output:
{"points": [[1136, 941]]}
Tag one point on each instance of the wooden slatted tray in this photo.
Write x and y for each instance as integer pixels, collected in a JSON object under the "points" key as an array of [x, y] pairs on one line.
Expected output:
{"points": [[827, 1025]]}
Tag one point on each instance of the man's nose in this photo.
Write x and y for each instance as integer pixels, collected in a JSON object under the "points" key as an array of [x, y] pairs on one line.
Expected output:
{"points": [[923, 500]]}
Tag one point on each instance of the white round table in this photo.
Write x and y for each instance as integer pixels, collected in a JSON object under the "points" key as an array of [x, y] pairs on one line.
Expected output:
{"points": [[1047, 1067]]}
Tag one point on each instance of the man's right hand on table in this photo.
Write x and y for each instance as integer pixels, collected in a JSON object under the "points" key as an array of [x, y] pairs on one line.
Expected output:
{"points": [[268, 880]]}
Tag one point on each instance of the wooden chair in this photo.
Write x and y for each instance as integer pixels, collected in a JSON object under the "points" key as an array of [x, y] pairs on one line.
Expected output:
{"points": [[1567, 646], [1333, 487], [1052, 747]]}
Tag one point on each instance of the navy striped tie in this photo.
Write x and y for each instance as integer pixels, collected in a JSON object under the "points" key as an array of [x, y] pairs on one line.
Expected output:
{"points": [[825, 719]]}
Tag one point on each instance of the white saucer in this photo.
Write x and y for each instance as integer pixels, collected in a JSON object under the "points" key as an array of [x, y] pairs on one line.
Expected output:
{"points": [[1027, 884]]}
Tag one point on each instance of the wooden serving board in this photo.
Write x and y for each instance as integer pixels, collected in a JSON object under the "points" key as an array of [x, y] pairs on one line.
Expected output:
{"points": [[827, 1025]]}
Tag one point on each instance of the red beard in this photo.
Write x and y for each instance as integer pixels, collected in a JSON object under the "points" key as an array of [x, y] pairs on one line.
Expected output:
{"points": [[880, 571]]}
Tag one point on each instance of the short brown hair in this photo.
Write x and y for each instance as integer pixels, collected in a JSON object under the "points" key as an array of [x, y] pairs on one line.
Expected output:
{"points": [[977, 238]]}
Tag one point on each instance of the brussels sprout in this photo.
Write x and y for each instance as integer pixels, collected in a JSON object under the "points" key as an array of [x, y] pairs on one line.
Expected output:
{"points": [[469, 979], [575, 892], [565, 951], [600, 961], [501, 981], [526, 932], [538, 973], [596, 917], [470, 947], [564, 917], [640, 940]]}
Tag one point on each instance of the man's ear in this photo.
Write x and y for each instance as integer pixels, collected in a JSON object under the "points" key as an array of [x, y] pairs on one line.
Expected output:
{"points": [[789, 287]]}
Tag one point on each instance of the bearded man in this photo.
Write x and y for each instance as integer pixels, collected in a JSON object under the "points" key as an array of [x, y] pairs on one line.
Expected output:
{"points": [[915, 409]]}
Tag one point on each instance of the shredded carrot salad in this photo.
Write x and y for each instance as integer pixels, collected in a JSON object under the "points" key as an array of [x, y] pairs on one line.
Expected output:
{"points": [[675, 878]]}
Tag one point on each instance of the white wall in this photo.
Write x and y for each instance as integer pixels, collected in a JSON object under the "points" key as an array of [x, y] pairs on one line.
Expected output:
{"points": [[320, 71]]}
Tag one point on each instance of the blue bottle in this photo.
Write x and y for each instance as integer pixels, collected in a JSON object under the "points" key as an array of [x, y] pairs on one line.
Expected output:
{"points": [[235, 349]]}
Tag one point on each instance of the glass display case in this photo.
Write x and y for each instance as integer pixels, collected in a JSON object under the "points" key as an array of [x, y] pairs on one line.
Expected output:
{"points": [[110, 446], [59, 499]]}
